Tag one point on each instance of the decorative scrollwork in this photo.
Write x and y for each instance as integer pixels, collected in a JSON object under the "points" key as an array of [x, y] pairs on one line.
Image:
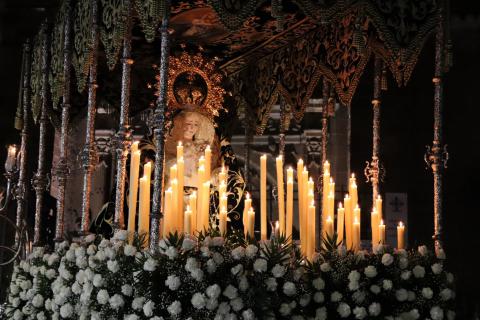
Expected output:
{"points": [[81, 58], [112, 28], [436, 157], [36, 74], [374, 171], [233, 13]]}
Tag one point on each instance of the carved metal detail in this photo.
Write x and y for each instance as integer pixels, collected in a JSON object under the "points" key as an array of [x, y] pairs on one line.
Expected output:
{"points": [[89, 154], [123, 136]]}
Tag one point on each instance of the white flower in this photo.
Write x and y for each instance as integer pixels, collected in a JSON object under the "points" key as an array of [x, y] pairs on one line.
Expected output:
{"points": [[223, 308], [318, 283], [251, 250], [446, 294], [237, 269], [127, 290], [405, 275], [205, 251], [414, 314], [436, 313], [175, 308], [198, 300], [298, 273], [150, 265], [375, 289], [243, 284], [358, 297], [102, 296], [325, 267], [360, 312], [305, 299], [321, 313], [437, 268], [148, 308], [260, 265], [336, 296], [18, 315], [66, 310], [130, 317], [70, 255], [370, 271], [171, 252], [53, 259], [37, 301], [284, 309], [213, 291], [278, 271], [211, 266], [403, 263], [137, 303], [116, 301], [248, 314], [401, 295], [450, 315], [113, 266], [378, 248], [289, 288], [271, 284], [197, 274], [230, 292], [450, 277], [441, 254], [387, 259], [418, 271], [238, 253], [173, 282], [353, 285], [191, 264], [212, 304], [41, 316], [374, 309], [129, 250], [411, 296], [188, 244], [343, 310], [427, 293], [91, 250], [218, 241], [354, 275], [218, 258], [98, 280], [319, 297], [121, 235], [423, 250]]}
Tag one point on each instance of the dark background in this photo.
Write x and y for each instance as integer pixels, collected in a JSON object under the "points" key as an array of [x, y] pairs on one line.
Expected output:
{"points": [[407, 127]]}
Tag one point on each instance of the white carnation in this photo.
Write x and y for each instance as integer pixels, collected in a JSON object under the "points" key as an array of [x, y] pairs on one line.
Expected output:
{"points": [[321, 313], [423, 250], [374, 309], [236, 270], [278, 271], [211, 266], [218, 242], [401, 295], [370, 271], [66, 310], [446, 294], [213, 291], [230, 292], [405, 275], [411, 296], [113, 266], [191, 264], [175, 308], [260, 265], [318, 283], [353, 285], [37, 301], [271, 284], [358, 297], [354, 275], [289, 288], [304, 300], [387, 259], [238, 253], [418, 271], [137, 303], [150, 265], [121, 235], [403, 263], [102, 296], [319, 297], [116, 301], [427, 293], [285, 309], [243, 284], [218, 258], [197, 274], [173, 282], [248, 314], [237, 304], [436, 313], [251, 250], [343, 310], [360, 312], [375, 289], [188, 244], [129, 250], [325, 267], [148, 308], [127, 290], [336, 296], [437, 268], [98, 281]]}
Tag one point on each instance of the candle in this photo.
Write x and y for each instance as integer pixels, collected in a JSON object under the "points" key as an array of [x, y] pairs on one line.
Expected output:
{"points": [[222, 221], [329, 227], [144, 212], [353, 190], [11, 158], [328, 213], [281, 195], [175, 212], [206, 206], [340, 222], [173, 172], [208, 162], [378, 206], [188, 221], [356, 234], [263, 197], [306, 203], [201, 162], [347, 204], [133, 194], [251, 223], [200, 197], [167, 217], [179, 150], [246, 206], [180, 195], [381, 232], [300, 195], [325, 190], [289, 223], [311, 231], [192, 201], [401, 235], [223, 201], [375, 231], [357, 213], [222, 176], [277, 229]]}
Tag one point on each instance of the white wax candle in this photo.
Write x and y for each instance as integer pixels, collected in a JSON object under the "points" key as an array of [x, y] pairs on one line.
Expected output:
{"points": [[289, 223], [188, 221], [381, 232], [340, 223], [401, 235], [281, 194], [263, 197]]}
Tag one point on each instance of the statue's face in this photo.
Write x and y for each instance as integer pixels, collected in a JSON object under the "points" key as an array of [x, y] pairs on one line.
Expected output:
{"points": [[190, 126]]}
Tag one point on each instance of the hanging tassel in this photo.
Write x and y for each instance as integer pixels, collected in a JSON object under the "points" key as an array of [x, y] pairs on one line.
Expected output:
{"points": [[384, 80]]}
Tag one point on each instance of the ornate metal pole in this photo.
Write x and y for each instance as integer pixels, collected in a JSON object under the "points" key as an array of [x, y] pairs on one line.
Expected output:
{"points": [[281, 137], [22, 178], [159, 128], [373, 169], [437, 155], [123, 137], [40, 180], [246, 164], [61, 171], [325, 100], [89, 154]]}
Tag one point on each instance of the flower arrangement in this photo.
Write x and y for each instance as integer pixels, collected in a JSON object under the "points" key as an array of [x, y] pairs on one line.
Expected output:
{"points": [[227, 278]]}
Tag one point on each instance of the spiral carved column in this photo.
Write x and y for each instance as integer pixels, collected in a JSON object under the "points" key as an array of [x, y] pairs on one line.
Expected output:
{"points": [[123, 136], [373, 169], [437, 155], [89, 154], [159, 128], [62, 170], [40, 180], [21, 189]]}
